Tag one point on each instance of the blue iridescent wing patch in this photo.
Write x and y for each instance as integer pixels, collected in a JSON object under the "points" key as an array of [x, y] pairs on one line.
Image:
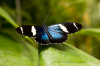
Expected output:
{"points": [[57, 36], [42, 38]]}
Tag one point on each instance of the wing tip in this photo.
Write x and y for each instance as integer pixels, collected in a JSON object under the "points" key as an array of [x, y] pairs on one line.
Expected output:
{"points": [[79, 26], [18, 30]]}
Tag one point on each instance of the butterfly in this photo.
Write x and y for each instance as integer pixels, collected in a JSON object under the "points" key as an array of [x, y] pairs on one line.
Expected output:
{"points": [[53, 34]]}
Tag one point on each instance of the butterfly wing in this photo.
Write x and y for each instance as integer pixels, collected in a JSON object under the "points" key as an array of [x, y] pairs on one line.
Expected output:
{"points": [[67, 27], [43, 38], [59, 31], [57, 37], [34, 31], [30, 31]]}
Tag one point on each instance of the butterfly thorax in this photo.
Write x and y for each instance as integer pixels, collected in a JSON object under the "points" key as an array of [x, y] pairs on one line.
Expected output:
{"points": [[46, 30], [44, 26]]}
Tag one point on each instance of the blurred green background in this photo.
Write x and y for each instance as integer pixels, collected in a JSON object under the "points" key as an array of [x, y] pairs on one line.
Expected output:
{"points": [[34, 12]]}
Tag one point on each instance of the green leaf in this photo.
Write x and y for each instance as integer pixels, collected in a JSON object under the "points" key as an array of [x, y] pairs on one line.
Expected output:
{"points": [[4, 14], [13, 53], [65, 55], [90, 31]]}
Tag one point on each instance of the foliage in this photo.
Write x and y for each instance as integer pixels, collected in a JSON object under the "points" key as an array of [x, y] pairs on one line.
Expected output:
{"points": [[66, 55], [13, 53]]}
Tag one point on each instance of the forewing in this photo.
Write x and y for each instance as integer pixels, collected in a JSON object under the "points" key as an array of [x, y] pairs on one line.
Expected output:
{"points": [[55, 28], [30, 31], [67, 27]]}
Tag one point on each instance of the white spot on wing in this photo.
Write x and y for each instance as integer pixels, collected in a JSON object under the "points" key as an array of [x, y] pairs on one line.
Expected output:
{"points": [[63, 28], [21, 29], [33, 30], [75, 25]]}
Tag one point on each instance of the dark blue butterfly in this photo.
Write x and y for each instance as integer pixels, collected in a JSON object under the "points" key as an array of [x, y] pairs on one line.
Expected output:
{"points": [[52, 34]]}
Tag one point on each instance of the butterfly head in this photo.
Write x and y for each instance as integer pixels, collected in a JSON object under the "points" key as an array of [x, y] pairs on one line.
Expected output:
{"points": [[44, 25]]}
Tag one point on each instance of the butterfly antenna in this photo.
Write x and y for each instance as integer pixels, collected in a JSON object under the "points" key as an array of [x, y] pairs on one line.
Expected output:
{"points": [[47, 16]]}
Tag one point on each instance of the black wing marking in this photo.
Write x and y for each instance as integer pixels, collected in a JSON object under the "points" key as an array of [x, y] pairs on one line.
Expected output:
{"points": [[30, 31]]}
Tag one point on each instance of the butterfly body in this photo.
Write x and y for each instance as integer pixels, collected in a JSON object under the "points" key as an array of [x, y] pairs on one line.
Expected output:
{"points": [[46, 30], [49, 34]]}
